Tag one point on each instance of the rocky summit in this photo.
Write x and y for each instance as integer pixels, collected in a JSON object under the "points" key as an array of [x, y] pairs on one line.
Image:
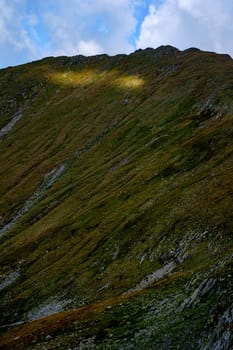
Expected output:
{"points": [[116, 202]]}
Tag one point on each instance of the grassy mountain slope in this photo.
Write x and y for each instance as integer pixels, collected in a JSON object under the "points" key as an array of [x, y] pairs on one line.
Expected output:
{"points": [[116, 202]]}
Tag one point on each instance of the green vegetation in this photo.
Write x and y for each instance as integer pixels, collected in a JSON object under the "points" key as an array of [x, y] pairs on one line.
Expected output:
{"points": [[118, 167]]}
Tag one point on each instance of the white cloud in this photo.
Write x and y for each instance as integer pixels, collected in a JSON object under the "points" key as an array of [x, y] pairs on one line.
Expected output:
{"points": [[185, 23], [108, 24], [89, 48], [33, 29], [15, 40]]}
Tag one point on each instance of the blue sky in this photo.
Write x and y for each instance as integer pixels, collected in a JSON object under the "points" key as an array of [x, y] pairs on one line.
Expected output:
{"points": [[32, 29]]}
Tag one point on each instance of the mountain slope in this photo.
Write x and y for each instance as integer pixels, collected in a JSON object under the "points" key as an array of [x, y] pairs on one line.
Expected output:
{"points": [[116, 202]]}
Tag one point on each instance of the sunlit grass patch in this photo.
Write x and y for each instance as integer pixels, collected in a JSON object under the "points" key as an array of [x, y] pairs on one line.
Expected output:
{"points": [[130, 82]]}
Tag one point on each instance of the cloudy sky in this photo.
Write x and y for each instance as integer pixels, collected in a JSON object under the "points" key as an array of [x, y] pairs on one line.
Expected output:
{"points": [[32, 29]]}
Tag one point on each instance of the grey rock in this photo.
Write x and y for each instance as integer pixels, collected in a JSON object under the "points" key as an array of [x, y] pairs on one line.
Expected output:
{"points": [[51, 307], [155, 276], [203, 289], [222, 337], [8, 279], [6, 129], [49, 180]]}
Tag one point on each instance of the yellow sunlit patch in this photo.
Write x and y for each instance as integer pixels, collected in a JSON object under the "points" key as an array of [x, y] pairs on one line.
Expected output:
{"points": [[130, 82], [75, 78], [85, 78]]}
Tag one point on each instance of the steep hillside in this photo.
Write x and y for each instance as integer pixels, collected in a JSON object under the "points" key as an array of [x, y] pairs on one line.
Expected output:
{"points": [[116, 202]]}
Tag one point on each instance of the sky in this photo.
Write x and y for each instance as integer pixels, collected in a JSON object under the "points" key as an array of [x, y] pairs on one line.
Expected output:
{"points": [[33, 29]]}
